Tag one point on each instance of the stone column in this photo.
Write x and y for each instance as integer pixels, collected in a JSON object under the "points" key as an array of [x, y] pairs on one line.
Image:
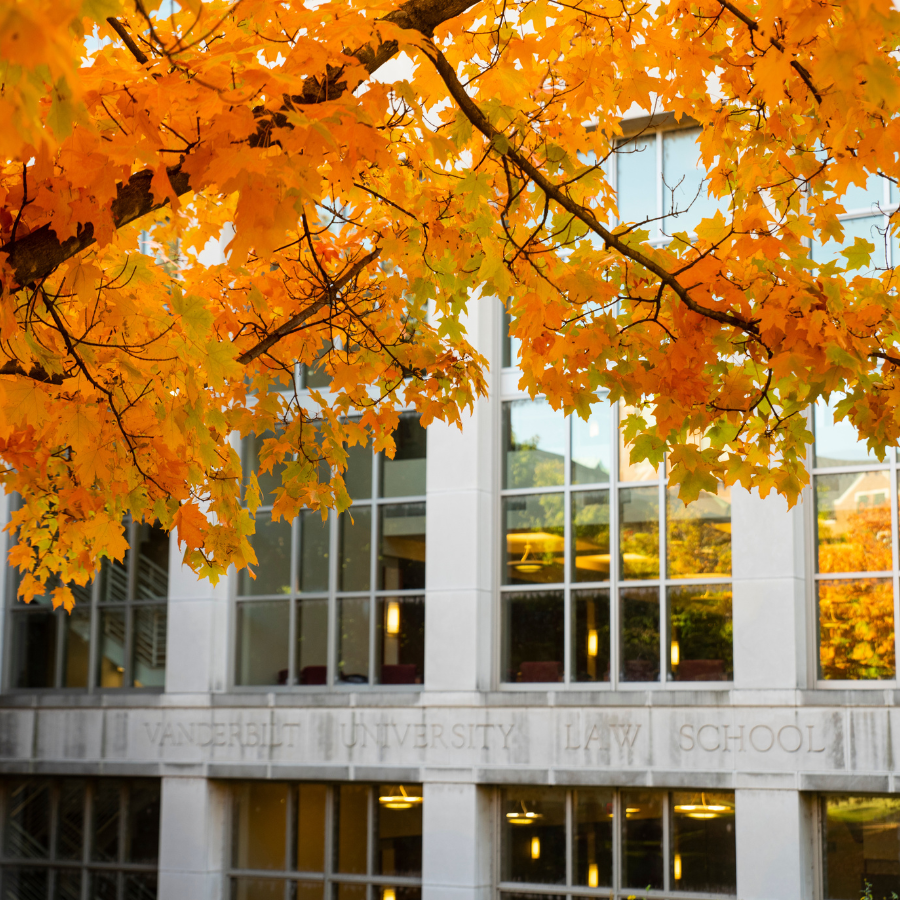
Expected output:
{"points": [[456, 846], [461, 537], [771, 619], [775, 845], [197, 633], [193, 842]]}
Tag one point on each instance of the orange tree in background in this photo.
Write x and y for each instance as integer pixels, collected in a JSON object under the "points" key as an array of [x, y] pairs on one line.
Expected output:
{"points": [[367, 206]]}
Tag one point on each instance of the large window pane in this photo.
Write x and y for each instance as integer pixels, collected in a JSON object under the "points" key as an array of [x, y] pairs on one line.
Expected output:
{"points": [[272, 544], [628, 470], [260, 825], [869, 196], [28, 819], [404, 475], [70, 823], [700, 633], [837, 443], [312, 641], [356, 548], [263, 635], [593, 844], [399, 830], [19, 881], [311, 799], [257, 888], [106, 819], [703, 843], [111, 658], [856, 629], [637, 179], [698, 536], [533, 636], [861, 846], [314, 538], [148, 657], [639, 532], [533, 835], [533, 444], [268, 481], [642, 839], [353, 646], [401, 640], [534, 540], [592, 446], [590, 635], [590, 533], [853, 516], [352, 820], [34, 649], [358, 477], [685, 197], [640, 633], [401, 556]]}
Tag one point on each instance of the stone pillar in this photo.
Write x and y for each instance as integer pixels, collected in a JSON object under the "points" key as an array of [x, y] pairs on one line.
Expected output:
{"points": [[197, 633], [771, 619], [461, 536], [775, 845], [456, 843], [193, 842]]}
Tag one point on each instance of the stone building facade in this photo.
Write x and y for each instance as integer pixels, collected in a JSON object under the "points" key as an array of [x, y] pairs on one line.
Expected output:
{"points": [[523, 670]]}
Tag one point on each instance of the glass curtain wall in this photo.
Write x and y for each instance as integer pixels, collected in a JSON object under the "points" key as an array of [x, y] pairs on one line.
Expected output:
{"points": [[115, 637], [340, 600], [314, 841], [70, 838], [607, 576], [616, 843]]}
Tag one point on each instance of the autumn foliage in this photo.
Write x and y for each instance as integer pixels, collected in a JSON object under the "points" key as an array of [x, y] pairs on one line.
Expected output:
{"points": [[366, 206]]}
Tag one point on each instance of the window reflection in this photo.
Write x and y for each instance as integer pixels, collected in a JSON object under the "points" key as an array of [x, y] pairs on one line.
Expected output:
{"points": [[853, 516], [837, 443], [640, 633], [272, 545], [861, 847], [312, 641], [534, 444], [533, 644], [533, 835], [401, 640], [639, 532], [686, 198], [703, 842], [592, 446], [700, 633], [535, 543], [401, 560], [871, 229], [642, 839], [353, 640], [355, 548], [263, 631], [698, 536], [593, 844], [591, 633], [404, 475], [399, 830], [260, 826], [590, 531], [856, 629]]}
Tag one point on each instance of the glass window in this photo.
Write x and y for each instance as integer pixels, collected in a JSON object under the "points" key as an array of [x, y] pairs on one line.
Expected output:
{"points": [[619, 842], [584, 545], [282, 829], [637, 177], [54, 824], [861, 847], [121, 618], [340, 600], [685, 196], [869, 228], [855, 496]]}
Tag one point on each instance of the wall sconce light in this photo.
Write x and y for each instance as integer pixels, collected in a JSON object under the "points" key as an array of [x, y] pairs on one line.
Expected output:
{"points": [[676, 867], [392, 617], [535, 848], [388, 894], [676, 655], [593, 875], [593, 642]]}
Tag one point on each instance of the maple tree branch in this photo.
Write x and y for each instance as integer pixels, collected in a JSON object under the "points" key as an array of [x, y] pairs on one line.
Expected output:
{"points": [[127, 40], [296, 321], [472, 112], [754, 26], [35, 373], [37, 255], [893, 360]]}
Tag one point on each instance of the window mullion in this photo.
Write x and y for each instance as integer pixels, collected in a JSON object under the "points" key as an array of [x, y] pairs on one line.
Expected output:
{"points": [[570, 837], [94, 633], [667, 840], [663, 573], [294, 613], [568, 555], [334, 545], [895, 552], [614, 611]]}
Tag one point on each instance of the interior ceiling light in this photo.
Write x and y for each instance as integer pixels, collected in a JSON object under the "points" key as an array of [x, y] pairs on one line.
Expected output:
{"points": [[399, 801], [524, 817]]}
